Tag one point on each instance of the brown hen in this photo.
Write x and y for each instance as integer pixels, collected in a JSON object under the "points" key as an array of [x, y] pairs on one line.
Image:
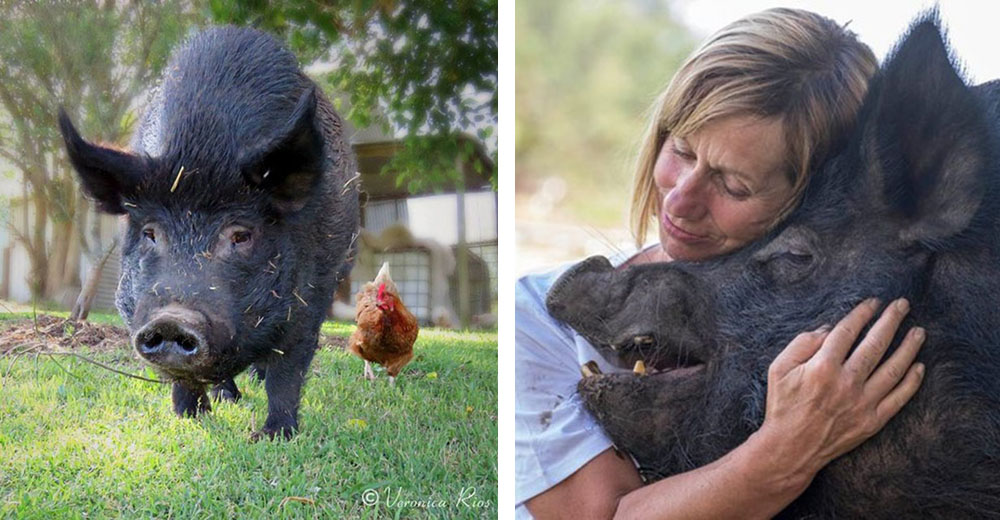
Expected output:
{"points": [[386, 329]]}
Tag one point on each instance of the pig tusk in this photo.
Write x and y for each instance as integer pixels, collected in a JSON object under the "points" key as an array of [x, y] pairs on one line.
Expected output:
{"points": [[640, 368], [589, 369]]}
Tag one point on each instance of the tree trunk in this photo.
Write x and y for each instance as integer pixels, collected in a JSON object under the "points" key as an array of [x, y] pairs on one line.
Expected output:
{"points": [[36, 247], [462, 251], [71, 270], [83, 302], [57, 257]]}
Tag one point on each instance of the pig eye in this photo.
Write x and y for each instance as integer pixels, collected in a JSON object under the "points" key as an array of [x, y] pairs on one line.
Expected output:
{"points": [[233, 239], [790, 257], [788, 267], [799, 258], [241, 236], [150, 234]]}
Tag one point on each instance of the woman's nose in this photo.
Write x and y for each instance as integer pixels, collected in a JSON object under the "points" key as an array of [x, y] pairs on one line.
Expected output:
{"points": [[686, 199]]}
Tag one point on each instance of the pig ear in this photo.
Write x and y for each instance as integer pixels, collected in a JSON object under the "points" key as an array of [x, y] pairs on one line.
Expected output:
{"points": [[106, 174], [926, 139], [289, 163]]}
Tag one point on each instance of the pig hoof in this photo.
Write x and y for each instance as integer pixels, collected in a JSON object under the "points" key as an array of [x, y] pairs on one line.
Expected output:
{"points": [[192, 412], [270, 434], [224, 394], [194, 408]]}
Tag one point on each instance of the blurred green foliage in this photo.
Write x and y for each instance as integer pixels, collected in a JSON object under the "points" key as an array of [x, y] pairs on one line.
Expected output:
{"points": [[430, 67], [587, 73], [94, 58], [91, 57]]}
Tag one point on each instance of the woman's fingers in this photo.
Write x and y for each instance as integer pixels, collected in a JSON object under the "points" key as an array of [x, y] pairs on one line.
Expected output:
{"points": [[800, 350], [889, 374], [832, 402], [900, 395], [838, 343], [866, 357]]}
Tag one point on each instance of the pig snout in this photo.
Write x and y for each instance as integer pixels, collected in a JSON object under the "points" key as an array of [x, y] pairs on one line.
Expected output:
{"points": [[173, 337]]}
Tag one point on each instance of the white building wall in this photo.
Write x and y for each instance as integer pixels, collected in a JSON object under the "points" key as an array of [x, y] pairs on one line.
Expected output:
{"points": [[20, 269]]}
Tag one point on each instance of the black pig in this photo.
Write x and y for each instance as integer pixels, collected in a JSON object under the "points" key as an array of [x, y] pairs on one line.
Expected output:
{"points": [[238, 219], [908, 208]]}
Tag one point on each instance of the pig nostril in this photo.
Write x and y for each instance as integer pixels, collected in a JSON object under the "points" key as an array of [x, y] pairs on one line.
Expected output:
{"points": [[152, 343], [187, 343], [163, 338]]}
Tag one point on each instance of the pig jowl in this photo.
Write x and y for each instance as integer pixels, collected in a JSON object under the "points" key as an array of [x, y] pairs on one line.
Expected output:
{"points": [[909, 207], [237, 219]]}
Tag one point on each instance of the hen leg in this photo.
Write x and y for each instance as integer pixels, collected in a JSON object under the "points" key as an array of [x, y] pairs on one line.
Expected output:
{"points": [[369, 373], [396, 366]]}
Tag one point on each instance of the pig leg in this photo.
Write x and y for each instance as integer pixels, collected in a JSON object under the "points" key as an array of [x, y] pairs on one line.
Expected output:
{"points": [[189, 401], [226, 390], [258, 371], [285, 375]]}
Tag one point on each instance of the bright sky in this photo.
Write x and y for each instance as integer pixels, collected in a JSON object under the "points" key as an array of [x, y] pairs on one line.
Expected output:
{"points": [[973, 26]]}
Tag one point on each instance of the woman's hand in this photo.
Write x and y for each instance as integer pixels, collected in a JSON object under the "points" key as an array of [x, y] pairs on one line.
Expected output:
{"points": [[822, 403]]}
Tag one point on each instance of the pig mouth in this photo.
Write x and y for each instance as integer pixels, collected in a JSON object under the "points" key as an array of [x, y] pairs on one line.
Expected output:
{"points": [[663, 376], [646, 354], [643, 411], [675, 363], [664, 368]]}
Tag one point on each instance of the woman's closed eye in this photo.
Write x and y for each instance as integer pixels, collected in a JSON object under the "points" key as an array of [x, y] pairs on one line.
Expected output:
{"points": [[732, 187], [682, 153]]}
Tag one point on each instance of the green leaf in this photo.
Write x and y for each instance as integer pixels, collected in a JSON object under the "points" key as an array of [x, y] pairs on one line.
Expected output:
{"points": [[409, 61]]}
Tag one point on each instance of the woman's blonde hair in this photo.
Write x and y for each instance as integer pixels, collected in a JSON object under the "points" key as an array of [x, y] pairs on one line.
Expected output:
{"points": [[780, 63]]}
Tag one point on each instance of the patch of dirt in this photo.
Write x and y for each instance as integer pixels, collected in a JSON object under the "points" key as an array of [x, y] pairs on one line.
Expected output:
{"points": [[55, 333], [332, 342]]}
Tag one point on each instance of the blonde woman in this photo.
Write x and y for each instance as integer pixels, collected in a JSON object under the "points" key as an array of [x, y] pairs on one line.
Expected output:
{"points": [[725, 157]]}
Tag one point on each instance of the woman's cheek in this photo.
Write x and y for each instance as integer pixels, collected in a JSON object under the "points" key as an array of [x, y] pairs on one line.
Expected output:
{"points": [[743, 224], [665, 172]]}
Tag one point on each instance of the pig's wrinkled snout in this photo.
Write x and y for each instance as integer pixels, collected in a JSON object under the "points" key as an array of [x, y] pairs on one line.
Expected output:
{"points": [[173, 337], [164, 336]]}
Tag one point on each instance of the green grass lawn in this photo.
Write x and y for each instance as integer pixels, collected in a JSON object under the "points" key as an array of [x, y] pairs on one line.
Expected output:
{"points": [[78, 441]]}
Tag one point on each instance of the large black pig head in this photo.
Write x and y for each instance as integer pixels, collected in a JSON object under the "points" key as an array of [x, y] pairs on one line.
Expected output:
{"points": [[208, 221], [907, 208]]}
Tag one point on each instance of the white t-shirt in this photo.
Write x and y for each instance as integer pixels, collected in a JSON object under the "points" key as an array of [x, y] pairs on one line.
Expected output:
{"points": [[553, 434]]}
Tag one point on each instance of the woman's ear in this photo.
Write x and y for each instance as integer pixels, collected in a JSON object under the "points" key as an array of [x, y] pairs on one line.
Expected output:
{"points": [[106, 174]]}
